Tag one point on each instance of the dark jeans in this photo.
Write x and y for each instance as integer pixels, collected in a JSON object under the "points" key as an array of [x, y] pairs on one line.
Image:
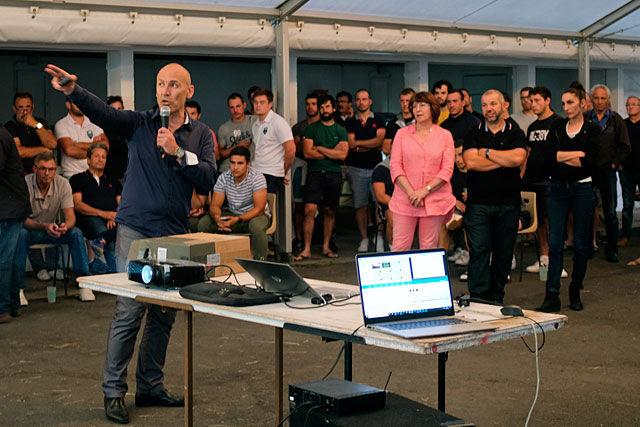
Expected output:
{"points": [[629, 181], [607, 182], [491, 231], [93, 227], [9, 266], [72, 237], [124, 330], [580, 199]]}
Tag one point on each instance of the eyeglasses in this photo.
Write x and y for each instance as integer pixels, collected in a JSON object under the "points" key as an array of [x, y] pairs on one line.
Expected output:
{"points": [[420, 105], [49, 170]]}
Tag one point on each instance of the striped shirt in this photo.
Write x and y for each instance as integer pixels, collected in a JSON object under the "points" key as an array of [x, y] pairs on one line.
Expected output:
{"points": [[240, 196]]}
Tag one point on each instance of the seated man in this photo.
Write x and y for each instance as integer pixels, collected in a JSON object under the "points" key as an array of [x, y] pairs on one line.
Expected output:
{"points": [[246, 193], [52, 219], [96, 198], [383, 190]]}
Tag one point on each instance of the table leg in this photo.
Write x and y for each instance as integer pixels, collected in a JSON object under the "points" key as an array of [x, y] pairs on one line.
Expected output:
{"points": [[279, 368], [442, 372], [188, 368], [348, 354]]}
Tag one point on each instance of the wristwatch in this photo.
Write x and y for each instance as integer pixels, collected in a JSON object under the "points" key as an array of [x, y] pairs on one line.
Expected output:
{"points": [[239, 220], [486, 153], [39, 126], [179, 153]]}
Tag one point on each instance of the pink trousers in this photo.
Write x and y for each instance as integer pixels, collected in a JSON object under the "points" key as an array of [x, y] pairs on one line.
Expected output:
{"points": [[404, 228]]}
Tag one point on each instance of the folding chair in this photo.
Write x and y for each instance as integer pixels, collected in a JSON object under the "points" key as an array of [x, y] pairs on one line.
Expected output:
{"points": [[529, 200]]}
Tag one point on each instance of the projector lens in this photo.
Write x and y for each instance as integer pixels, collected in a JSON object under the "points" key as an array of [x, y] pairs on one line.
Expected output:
{"points": [[147, 274]]}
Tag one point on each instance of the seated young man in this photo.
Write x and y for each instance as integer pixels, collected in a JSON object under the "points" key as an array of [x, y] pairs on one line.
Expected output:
{"points": [[454, 227], [96, 197], [383, 190], [246, 193]]}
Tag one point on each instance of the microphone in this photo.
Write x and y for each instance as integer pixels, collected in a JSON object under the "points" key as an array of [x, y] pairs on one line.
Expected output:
{"points": [[165, 112]]}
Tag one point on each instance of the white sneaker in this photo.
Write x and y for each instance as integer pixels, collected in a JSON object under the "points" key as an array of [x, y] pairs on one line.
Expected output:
{"points": [[23, 299], [456, 254], [43, 275], [464, 276], [513, 263], [86, 295], [463, 259], [364, 245], [564, 273], [59, 274], [379, 243]]}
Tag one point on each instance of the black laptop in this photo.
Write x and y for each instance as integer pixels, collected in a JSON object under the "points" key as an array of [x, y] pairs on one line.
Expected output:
{"points": [[279, 279], [408, 294]]}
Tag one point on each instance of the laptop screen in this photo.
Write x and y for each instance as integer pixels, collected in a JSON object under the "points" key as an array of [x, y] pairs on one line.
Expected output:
{"points": [[404, 285]]}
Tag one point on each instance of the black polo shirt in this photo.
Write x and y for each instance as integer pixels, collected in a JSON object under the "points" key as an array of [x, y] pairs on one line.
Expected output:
{"points": [[396, 124], [363, 131], [499, 186], [461, 125], [101, 196], [28, 138]]}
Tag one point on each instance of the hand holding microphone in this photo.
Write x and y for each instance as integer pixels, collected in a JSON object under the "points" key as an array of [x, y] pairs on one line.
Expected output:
{"points": [[165, 112]]}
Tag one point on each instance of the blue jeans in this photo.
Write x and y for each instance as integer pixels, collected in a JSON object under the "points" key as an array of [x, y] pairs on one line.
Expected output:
{"points": [[607, 183], [124, 330], [580, 199], [93, 227], [72, 237], [491, 231], [9, 269], [629, 181]]}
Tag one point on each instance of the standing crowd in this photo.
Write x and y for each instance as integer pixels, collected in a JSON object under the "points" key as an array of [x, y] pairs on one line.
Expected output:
{"points": [[438, 168]]}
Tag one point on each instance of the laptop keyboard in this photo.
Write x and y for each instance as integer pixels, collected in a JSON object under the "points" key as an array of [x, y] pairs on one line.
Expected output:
{"points": [[424, 324]]}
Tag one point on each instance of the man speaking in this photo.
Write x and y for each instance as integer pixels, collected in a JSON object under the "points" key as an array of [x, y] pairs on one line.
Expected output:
{"points": [[165, 165]]}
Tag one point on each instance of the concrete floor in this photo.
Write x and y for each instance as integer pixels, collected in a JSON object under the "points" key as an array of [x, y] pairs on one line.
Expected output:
{"points": [[51, 360]]}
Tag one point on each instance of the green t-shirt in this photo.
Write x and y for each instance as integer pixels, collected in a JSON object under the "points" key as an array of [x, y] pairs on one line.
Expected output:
{"points": [[329, 137]]}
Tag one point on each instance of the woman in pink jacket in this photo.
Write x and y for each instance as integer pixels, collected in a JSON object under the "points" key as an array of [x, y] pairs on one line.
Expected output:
{"points": [[422, 158]]}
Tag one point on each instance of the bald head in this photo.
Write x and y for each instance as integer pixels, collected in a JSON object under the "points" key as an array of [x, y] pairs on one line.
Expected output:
{"points": [[492, 106], [173, 87]]}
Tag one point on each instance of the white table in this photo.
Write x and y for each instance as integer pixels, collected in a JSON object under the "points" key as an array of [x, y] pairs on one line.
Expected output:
{"points": [[334, 322]]}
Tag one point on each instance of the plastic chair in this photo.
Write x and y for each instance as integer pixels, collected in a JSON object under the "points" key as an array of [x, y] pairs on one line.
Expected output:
{"points": [[529, 200], [59, 257]]}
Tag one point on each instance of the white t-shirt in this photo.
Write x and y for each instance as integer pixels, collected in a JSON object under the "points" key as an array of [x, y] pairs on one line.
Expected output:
{"points": [[68, 128], [268, 137]]}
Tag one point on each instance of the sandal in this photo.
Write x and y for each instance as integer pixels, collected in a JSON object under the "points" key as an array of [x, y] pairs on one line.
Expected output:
{"points": [[300, 257], [634, 263], [331, 255]]}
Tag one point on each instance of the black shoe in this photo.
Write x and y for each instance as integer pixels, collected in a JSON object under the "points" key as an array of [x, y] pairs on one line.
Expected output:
{"points": [[115, 410], [333, 246], [574, 298], [612, 257], [15, 312], [550, 304], [160, 399]]}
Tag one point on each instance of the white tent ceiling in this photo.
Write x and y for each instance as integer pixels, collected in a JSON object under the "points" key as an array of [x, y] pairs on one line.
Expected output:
{"points": [[545, 29]]}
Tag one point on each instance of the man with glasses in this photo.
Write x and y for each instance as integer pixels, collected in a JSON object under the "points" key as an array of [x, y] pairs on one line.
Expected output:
{"points": [[52, 220]]}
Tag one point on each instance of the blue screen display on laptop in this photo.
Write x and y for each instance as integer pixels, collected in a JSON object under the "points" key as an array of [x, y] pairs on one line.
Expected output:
{"points": [[394, 285]]}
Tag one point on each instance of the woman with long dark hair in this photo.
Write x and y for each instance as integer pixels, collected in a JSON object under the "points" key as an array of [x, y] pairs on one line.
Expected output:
{"points": [[574, 144]]}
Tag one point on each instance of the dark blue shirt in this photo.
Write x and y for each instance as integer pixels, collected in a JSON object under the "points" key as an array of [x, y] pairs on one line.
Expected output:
{"points": [[605, 118], [156, 198]]}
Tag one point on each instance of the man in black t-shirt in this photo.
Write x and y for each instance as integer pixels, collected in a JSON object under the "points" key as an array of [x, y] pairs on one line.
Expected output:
{"points": [[32, 135], [366, 133], [460, 121], [383, 190], [95, 199], [535, 176], [493, 154], [402, 119]]}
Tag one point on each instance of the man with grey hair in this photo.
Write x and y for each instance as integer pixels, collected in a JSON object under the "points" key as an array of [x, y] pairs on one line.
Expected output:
{"points": [[614, 149], [630, 173]]}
